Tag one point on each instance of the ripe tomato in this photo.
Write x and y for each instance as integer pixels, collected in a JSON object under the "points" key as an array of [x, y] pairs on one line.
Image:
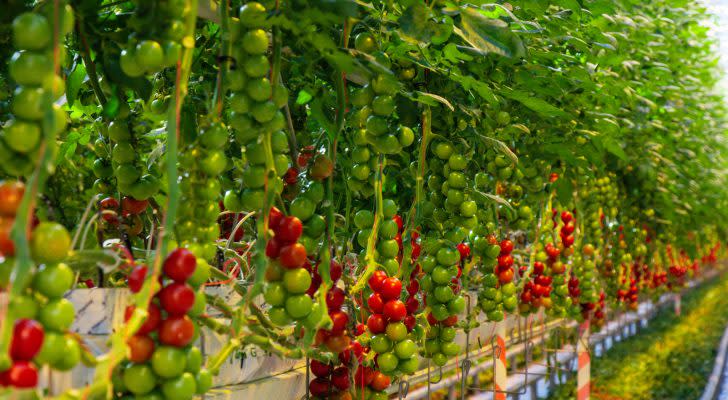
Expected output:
{"points": [[273, 248], [566, 217], [375, 303], [363, 376], [464, 250], [320, 387], [177, 331], [335, 271], [180, 265], [320, 369], [395, 310], [380, 382], [293, 256], [11, 192], [505, 276], [340, 378], [289, 229], [135, 280], [274, 217], [409, 322], [27, 340], [176, 298], [412, 305], [7, 247], [133, 206], [377, 279], [506, 247], [450, 321], [391, 288], [22, 375], [376, 323], [340, 320], [140, 348], [335, 298], [338, 343], [152, 321]]}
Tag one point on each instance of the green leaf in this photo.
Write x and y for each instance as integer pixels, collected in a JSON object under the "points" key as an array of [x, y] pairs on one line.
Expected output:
{"points": [[535, 104], [74, 81], [489, 35], [415, 23], [432, 99], [564, 190], [303, 97]]}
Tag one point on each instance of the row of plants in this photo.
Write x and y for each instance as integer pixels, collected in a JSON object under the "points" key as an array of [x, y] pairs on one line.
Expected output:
{"points": [[670, 359], [369, 178]]}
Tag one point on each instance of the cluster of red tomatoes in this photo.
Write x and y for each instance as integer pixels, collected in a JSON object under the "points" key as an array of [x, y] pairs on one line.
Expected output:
{"points": [[332, 380], [160, 347], [599, 317], [11, 192], [537, 290], [567, 229]]}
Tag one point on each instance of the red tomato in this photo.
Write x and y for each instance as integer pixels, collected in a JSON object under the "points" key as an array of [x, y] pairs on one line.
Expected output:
{"points": [[391, 288], [395, 310], [412, 305], [27, 340], [273, 248], [180, 265], [375, 303], [409, 322], [431, 319], [464, 250], [506, 246], [291, 176], [133, 206], [363, 376], [22, 375], [335, 271], [398, 219], [152, 321], [566, 217], [450, 321], [320, 369], [360, 329], [7, 247], [340, 378], [135, 280], [505, 276], [377, 279], [109, 203], [176, 331], [289, 229], [340, 320], [293, 255], [11, 193], [139, 348], [319, 387], [505, 260], [380, 382], [335, 298], [176, 298], [274, 217], [376, 323], [413, 287], [538, 268]]}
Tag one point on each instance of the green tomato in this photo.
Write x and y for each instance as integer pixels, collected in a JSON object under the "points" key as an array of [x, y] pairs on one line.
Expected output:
{"points": [[279, 317], [432, 346], [275, 294], [388, 248], [169, 362], [71, 355], [31, 31], [440, 312], [447, 334], [449, 349], [139, 379], [396, 331], [22, 306], [302, 207], [387, 362], [57, 315], [440, 275], [456, 305], [149, 55], [52, 350], [201, 274], [443, 293], [380, 344], [364, 219], [405, 349], [315, 226], [447, 256], [21, 136], [299, 306], [204, 381], [297, 280], [183, 387], [439, 359], [409, 365], [53, 280]]}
